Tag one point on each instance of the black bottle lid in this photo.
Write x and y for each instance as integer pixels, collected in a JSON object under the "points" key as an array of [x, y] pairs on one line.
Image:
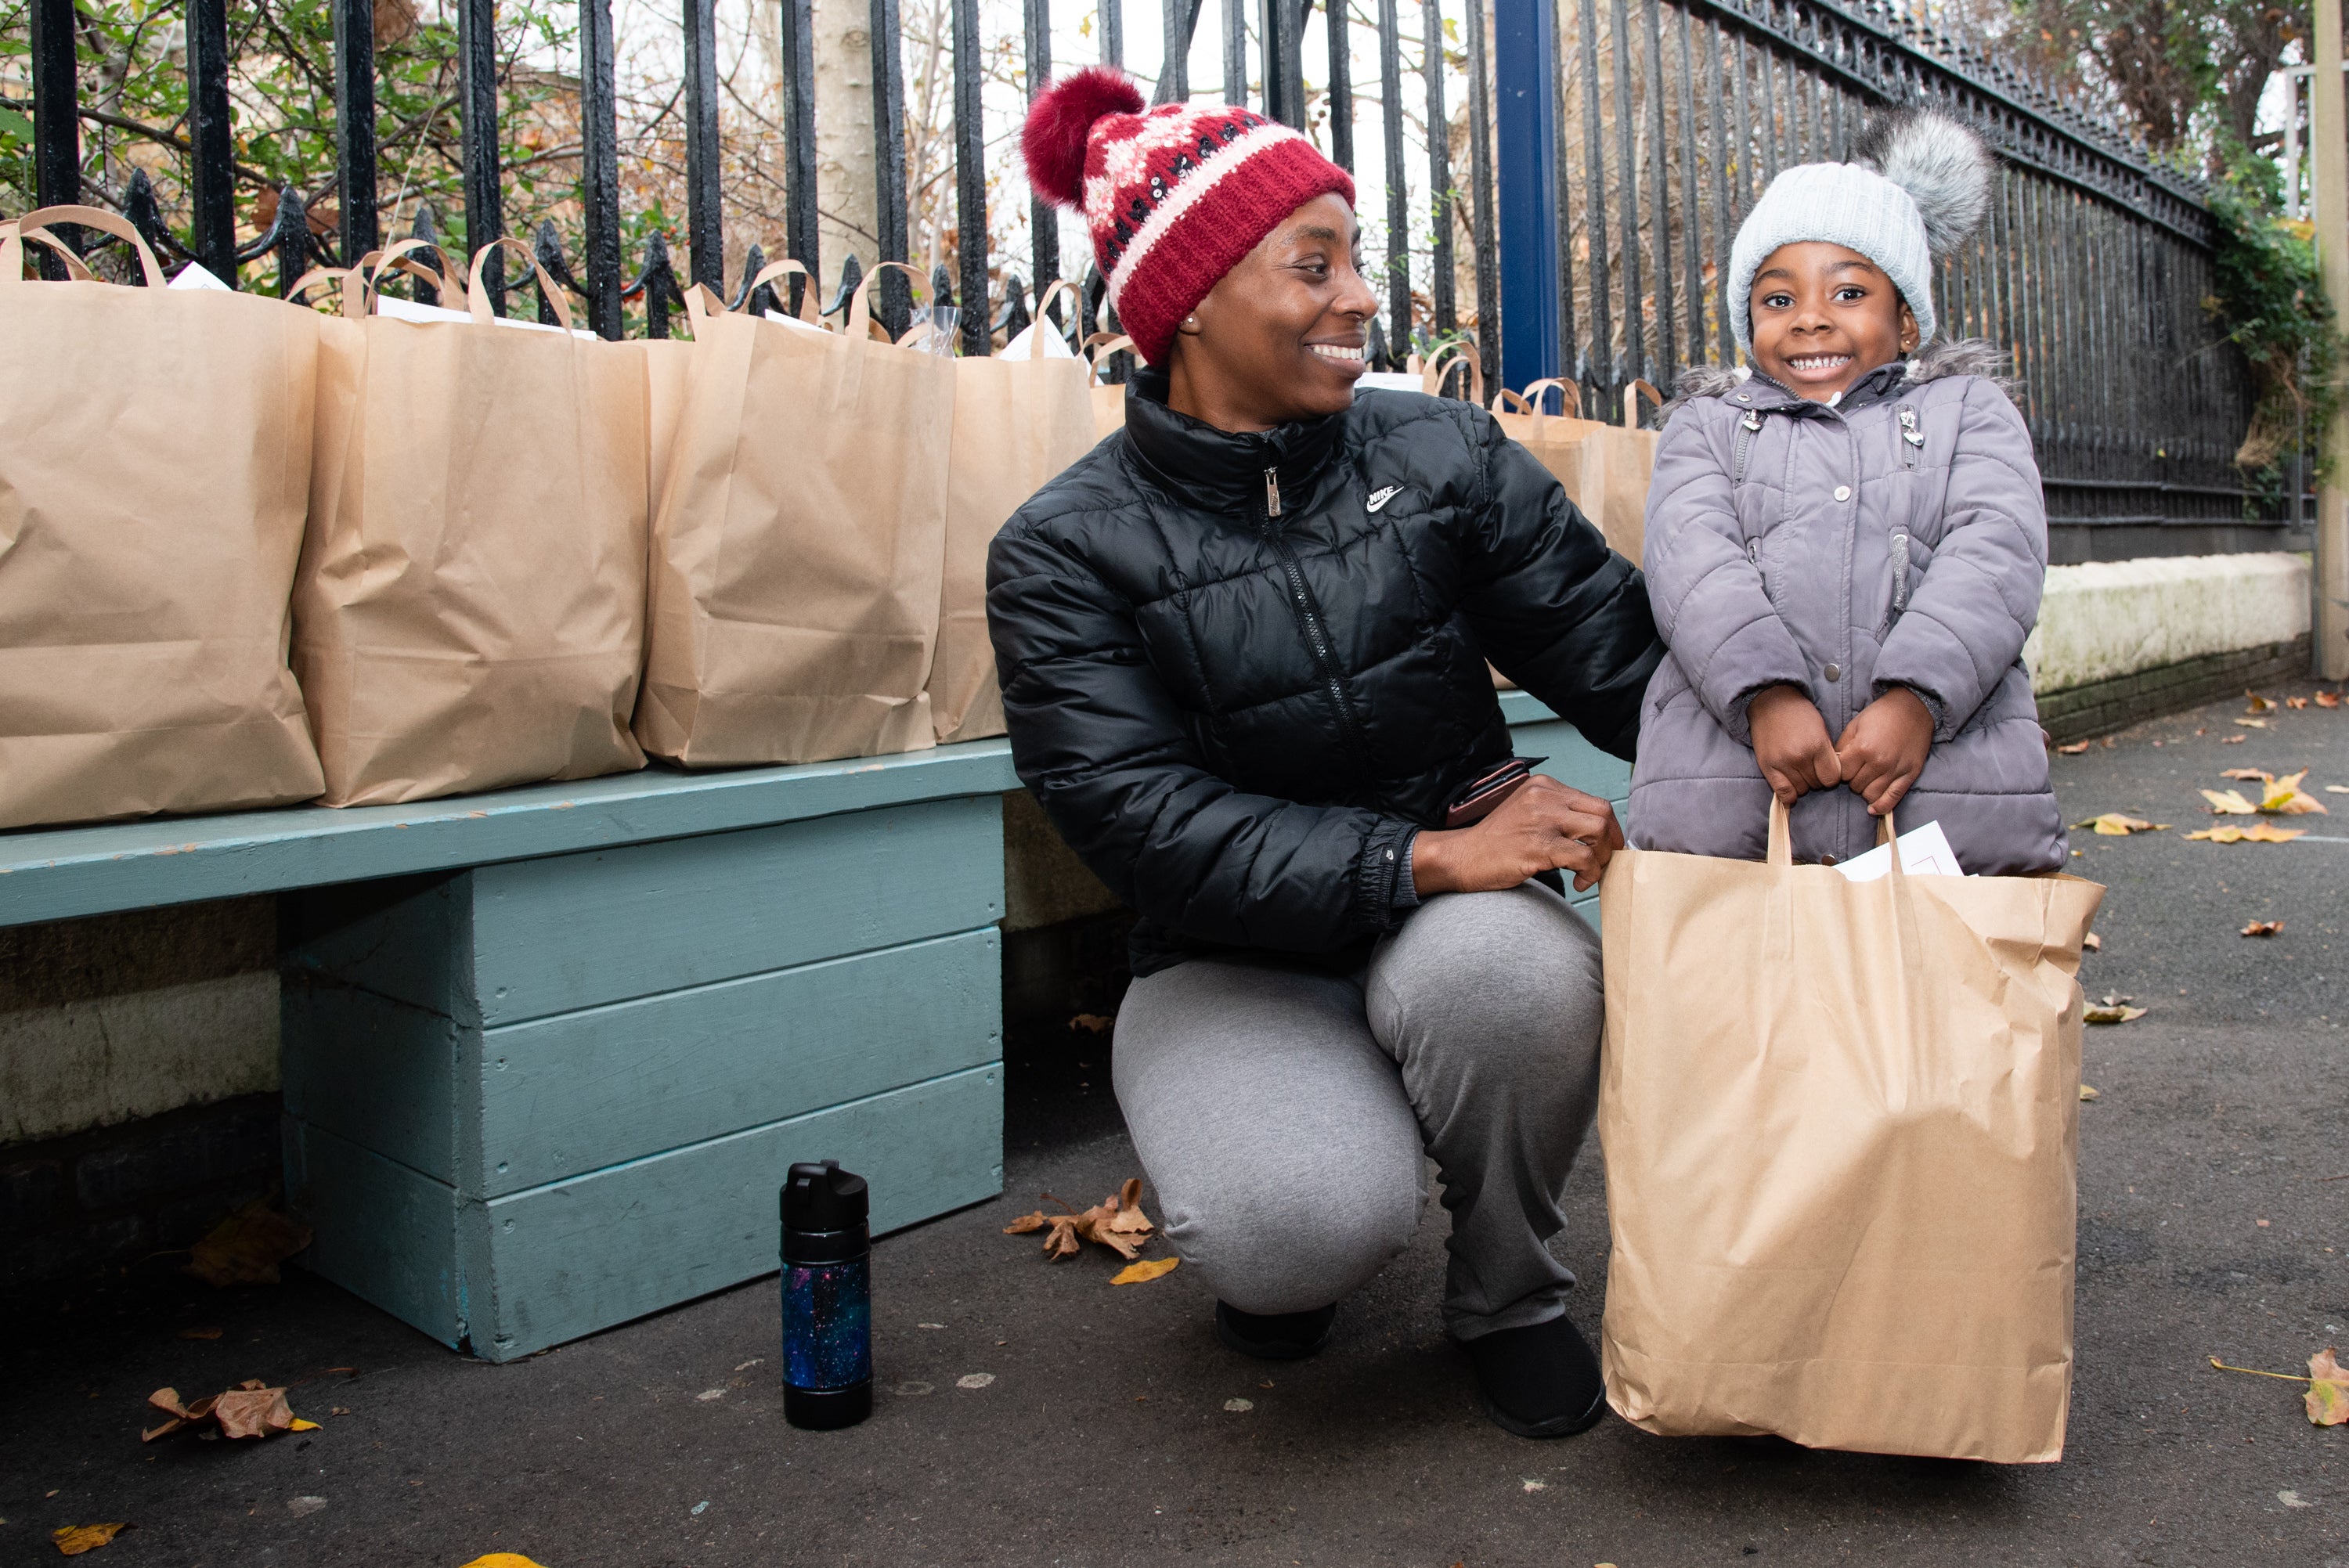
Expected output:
{"points": [[821, 1196]]}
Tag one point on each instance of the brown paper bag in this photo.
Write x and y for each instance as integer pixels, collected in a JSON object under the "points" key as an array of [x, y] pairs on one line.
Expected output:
{"points": [[154, 470], [799, 548], [1019, 418], [1841, 1122], [1605, 470], [470, 608]]}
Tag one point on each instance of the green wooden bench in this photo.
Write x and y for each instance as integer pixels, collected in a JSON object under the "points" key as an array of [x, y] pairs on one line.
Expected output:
{"points": [[547, 1052]]}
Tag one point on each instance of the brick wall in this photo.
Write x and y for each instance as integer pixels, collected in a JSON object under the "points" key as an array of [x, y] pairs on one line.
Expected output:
{"points": [[103, 1201], [2109, 705]]}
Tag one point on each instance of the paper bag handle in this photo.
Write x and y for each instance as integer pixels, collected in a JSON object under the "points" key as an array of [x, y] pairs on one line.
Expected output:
{"points": [[445, 281], [1044, 300], [1782, 839], [785, 268], [860, 305], [477, 299], [12, 263], [351, 285], [1457, 352], [96, 218], [1568, 393], [1631, 402]]}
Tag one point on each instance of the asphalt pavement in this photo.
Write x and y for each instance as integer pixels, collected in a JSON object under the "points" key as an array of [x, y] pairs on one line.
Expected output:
{"points": [[1030, 1413]]}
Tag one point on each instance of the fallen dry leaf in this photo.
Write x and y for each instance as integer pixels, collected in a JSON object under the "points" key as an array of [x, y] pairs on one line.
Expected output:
{"points": [[1116, 1223], [2229, 803], [1092, 1023], [246, 1247], [1145, 1272], [2256, 834], [2087, 1093], [2285, 797], [2328, 1389], [2328, 699], [2254, 723], [2295, 702], [2091, 942], [76, 1539], [501, 1560], [2074, 749], [2263, 928], [2120, 825], [2261, 774], [2111, 1013], [251, 1409], [2232, 739], [2257, 704]]}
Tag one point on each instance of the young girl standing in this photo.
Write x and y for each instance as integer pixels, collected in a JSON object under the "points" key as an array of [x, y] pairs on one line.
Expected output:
{"points": [[1846, 546]]}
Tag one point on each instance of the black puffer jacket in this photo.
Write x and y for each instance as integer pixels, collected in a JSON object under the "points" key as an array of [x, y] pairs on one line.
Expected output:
{"points": [[1241, 671]]}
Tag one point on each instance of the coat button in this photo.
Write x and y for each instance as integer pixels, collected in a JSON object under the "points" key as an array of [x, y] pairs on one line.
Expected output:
{"points": [[1843, 493], [1834, 672]]}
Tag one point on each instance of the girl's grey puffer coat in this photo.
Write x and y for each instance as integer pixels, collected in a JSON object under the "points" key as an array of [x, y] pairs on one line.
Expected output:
{"points": [[1897, 539]]}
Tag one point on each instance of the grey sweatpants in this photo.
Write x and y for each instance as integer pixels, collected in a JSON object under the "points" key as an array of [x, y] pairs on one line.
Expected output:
{"points": [[1280, 1112]]}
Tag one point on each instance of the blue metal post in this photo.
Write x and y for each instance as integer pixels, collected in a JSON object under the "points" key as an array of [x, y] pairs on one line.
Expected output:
{"points": [[1525, 72]]}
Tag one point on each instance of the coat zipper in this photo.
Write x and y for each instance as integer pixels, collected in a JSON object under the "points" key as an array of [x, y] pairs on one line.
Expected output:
{"points": [[1314, 636], [1746, 428], [1911, 438]]}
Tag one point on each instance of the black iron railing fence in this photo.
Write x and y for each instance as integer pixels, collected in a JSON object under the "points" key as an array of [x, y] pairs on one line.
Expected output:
{"points": [[1669, 116]]}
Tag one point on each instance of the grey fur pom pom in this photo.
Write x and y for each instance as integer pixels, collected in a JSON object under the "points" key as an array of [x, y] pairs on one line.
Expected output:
{"points": [[1944, 167]]}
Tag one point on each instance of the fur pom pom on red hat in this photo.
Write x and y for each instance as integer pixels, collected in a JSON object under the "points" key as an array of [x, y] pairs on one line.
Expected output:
{"points": [[1172, 196], [1053, 141]]}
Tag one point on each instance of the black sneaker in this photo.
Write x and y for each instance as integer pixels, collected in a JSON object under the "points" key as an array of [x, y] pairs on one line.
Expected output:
{"points": [[1275, 1336], [1540, 1381]]}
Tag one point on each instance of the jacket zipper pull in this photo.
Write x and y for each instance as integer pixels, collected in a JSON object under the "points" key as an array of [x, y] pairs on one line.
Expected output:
{"points": [[1910, 433], [1272, 493]]}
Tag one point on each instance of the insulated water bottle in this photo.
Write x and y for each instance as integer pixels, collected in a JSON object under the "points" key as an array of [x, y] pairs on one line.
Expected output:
{"points": [[827, 1297]]}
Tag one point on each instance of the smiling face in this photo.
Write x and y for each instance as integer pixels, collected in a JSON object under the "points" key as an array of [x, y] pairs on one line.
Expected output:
{"points": [[1280, 337], [1824, 316]]}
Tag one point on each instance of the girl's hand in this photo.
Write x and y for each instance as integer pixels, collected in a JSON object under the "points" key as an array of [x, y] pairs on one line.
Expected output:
{"points": [[1790, 742], [1883, 748], [1545, 826]]}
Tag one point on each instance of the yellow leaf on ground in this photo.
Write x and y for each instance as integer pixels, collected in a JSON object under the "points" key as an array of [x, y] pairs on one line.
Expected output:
{"points": [[2285, 797], [1145, 1272], [2087, 1093], [246, 1247], [302, 1426], [2256, 834], [2328, 1389], [76, 1539], [2229, 803], [2112, 1012], [2120, 825], [2263, 928], [502, 1560]]}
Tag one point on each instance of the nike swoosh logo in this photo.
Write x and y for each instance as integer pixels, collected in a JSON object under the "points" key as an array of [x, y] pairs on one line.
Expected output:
{"points": [[1381, 497]]}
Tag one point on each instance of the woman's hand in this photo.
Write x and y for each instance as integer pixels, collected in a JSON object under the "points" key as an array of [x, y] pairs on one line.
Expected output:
{"points": [[1545, 826], [1883, 748], [1790, 742]]}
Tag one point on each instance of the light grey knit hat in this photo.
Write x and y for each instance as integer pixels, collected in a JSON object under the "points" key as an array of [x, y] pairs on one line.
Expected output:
{"points": [[1918, 185]]}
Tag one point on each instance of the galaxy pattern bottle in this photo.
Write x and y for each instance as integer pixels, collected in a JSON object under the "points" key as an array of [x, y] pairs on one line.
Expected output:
{"points": [[827, 1297]]}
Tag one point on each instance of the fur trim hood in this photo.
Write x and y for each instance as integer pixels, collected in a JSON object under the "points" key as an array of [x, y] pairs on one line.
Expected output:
{"points": [[1935, 361]]}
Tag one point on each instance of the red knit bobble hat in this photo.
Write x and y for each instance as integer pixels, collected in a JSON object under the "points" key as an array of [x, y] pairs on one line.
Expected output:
{"points": [[1175, 197]]}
